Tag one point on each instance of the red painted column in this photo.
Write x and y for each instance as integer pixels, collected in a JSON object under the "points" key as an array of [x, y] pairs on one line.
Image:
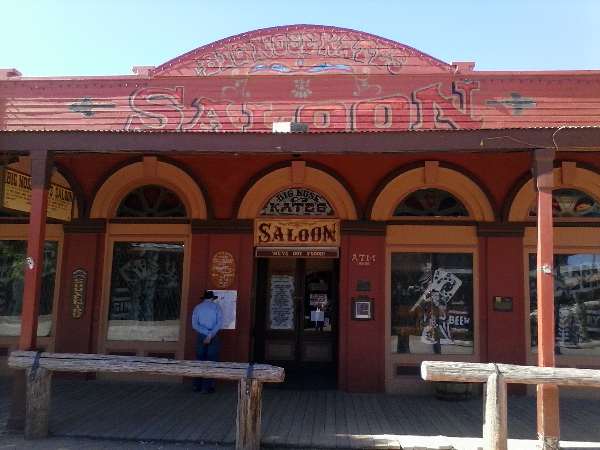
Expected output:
{"points": [[362, 342], [73, 333], [547, 395], [41, 164]]}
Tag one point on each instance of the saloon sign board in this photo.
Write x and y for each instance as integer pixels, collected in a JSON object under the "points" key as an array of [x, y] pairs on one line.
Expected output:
{"points": [[15, 194], [297, 237]]}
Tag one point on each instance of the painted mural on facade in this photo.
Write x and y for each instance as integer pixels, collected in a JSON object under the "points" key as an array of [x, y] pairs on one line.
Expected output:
{"points": [[301, 49], [328, 78], [427, 107]]}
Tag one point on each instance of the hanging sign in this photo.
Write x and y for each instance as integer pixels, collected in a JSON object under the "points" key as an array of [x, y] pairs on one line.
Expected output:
{"points": [[222, 269], [15, 194], [78, 288], [297, 252], [297, 232]]}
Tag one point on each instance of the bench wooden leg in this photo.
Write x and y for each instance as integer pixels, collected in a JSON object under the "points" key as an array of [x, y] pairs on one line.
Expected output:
{"points": [[37, 402], [248, 415], [495, 428]]}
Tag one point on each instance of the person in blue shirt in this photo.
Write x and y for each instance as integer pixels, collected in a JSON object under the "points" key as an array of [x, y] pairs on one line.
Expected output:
{"points": [[207, 320]]}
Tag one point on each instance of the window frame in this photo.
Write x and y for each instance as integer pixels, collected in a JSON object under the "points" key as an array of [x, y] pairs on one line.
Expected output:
{"points": [[429, 239], [567, 240], [54, 232], [176, 233], [468, 217]]}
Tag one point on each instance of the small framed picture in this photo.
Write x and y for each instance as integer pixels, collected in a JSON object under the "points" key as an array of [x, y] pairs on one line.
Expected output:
{"points": [[362, 308], [503, 304]]}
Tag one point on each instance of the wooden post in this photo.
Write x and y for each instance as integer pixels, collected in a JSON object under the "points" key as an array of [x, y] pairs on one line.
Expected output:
{"points": [[495, 428], [37, 402], [248, 414], [547, 395], [41, 163]]}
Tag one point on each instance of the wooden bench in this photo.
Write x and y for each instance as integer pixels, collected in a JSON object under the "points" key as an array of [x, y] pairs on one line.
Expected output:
{"points": [[40, 365], [495, 429]]}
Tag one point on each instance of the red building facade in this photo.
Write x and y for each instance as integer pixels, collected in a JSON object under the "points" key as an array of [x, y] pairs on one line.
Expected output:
{"points": [[397, 224]]}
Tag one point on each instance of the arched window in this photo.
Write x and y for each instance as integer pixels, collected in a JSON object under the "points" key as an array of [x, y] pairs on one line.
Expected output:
{"points": [[297, 202], [570, 203], [151, 201], [430, 203]]}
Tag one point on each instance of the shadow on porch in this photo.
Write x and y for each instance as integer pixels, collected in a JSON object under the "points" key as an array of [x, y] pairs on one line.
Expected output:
{"points": [[144, 411]]}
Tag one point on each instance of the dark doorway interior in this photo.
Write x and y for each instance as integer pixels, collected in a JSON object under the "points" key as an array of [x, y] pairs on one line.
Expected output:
{"points": [[297, 319]]}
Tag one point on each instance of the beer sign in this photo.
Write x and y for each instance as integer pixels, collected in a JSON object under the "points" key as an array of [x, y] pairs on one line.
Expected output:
{"points": [[297, 232], [15, 194]]}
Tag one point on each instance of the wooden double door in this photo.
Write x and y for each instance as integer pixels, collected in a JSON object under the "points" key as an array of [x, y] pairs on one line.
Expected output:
{"points": [[297, 315]]}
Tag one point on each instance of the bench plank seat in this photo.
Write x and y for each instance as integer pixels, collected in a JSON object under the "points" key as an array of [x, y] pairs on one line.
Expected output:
{"points": [[39, 366]]}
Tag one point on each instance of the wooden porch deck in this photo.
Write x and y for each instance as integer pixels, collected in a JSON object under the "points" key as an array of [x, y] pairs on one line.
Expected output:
{"points": [[144, 411]]}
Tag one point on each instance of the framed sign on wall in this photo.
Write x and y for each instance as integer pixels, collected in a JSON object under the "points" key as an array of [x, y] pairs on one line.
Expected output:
{"points": [[362, 308]]}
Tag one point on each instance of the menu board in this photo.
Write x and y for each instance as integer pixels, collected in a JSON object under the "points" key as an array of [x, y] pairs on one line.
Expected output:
{"points": [[281, 305], [227, 300]]}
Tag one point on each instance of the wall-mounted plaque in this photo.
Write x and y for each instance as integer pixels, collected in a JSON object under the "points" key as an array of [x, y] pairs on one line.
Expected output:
{"points": [[78, 290], [504, 304], [362, 308], [15, 194], [222, 270], [281, 304]]}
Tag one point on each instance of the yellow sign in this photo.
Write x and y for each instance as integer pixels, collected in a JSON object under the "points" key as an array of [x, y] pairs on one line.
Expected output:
{"points": [[15, 194], [297, 232]]}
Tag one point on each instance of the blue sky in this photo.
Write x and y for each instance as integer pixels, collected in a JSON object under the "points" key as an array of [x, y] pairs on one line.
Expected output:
{"points": [[108, 37]]}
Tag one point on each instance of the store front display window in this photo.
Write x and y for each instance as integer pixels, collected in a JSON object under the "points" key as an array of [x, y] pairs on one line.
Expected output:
{"points": [[432, 303], [12, 275], [576, 303], [145, 292]]}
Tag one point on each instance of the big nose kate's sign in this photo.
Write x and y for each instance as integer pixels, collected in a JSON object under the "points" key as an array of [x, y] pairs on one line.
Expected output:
{"points": [[297, 232]]}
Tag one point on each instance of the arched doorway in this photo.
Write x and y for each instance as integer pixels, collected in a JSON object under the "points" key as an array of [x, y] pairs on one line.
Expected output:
{"points": [[297, 212]]}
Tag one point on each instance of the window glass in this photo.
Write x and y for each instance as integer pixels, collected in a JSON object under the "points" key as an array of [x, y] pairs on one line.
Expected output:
{"points": [[570, 203], [145, 291], [12, 276], [576, 303], [432, 303], [151, 201], [431, 203]]}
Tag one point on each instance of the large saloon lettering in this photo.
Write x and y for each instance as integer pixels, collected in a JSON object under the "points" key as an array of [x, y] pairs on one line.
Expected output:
{"points": [[432, 106], [321, 232]]}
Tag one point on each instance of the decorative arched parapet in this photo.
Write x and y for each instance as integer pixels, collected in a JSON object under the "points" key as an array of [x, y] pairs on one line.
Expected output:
{"points": [[298, 174], [306, 50], [432, 175], [148, 171], [567, 176]]}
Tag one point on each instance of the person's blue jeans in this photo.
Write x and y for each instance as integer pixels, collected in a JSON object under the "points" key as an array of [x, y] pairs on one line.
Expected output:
{"points": [[206, 352]]}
